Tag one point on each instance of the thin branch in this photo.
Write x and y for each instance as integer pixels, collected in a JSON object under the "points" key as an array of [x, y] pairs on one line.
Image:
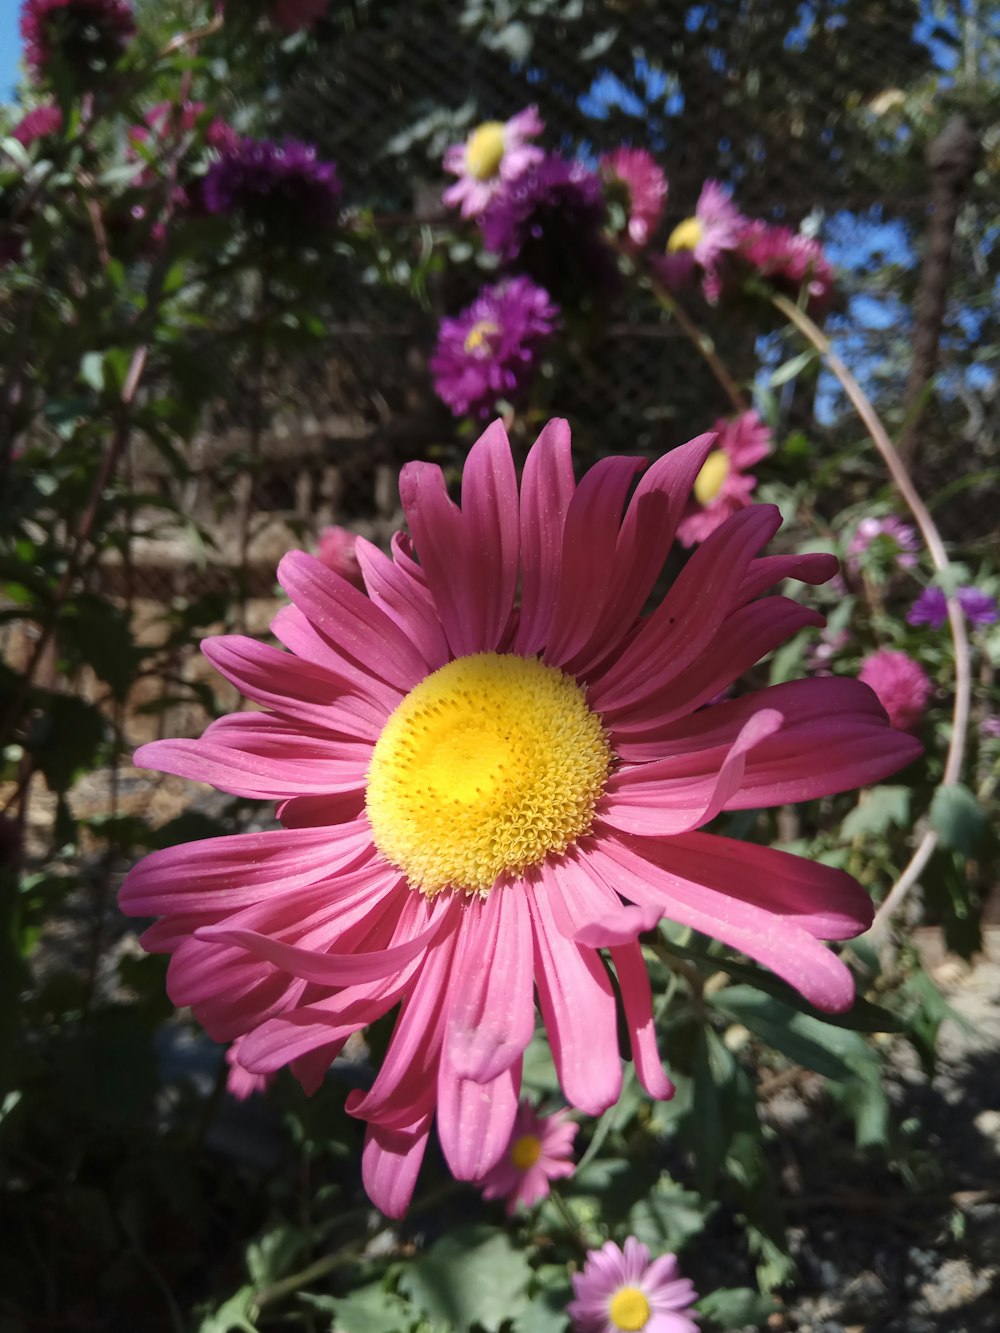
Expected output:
{"points": [[704, 345], [939, 558]]}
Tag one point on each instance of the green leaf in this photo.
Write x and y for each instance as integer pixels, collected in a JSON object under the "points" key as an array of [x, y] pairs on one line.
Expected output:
{"points": [[233, 1316], [876, 810], [371, 1310], [958, 818], [832, 1051], [792, 367], [64, 738], [736, 1307], [711, 1125], [668, 1216], [546, 1313], [474, 1276]]}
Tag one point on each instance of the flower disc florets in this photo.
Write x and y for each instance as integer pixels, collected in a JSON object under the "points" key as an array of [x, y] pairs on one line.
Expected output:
{"points": [[489, 765]]}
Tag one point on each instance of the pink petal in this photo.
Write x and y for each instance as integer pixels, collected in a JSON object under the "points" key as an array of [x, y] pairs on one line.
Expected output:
{"points": [[223, 874], [643, 544], [390, 1163], [677, 794], [578, 1006], [294, 629], [358, 629], [293, 688], [587, 565], [405, 601], [637, 1000], [768, 570], [491, 1018], [547, 487], [475, 1118], [639, 868], [684, 623]]}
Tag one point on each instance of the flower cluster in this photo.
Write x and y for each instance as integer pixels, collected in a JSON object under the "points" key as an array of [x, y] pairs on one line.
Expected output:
{"points": [[275, 185], [86, 37], [490, 350], [491, 772]]}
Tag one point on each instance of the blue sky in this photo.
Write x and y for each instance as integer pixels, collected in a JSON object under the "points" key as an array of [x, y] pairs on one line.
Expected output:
{"points": [[10, 48]]}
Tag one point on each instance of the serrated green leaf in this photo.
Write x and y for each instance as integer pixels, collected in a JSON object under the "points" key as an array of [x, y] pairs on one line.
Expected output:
{"points": [[876, 810], [470, 1277], [667, 1217], [372, 1310], [736, 1307], [958, 818], [233, 1317]]}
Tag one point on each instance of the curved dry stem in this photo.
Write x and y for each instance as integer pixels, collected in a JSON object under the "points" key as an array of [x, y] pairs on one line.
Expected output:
{"points": [[956, 621]]}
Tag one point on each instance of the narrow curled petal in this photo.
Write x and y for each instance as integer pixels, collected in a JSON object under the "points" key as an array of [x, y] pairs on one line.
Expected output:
{"points": [[390, 1162]]}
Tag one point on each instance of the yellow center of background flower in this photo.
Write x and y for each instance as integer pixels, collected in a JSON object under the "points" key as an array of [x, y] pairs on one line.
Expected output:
{"points": [[478, 337], [712, 477], [629, 1310], [487, 766], [484, 150], [525, 1151], [686, 235]]}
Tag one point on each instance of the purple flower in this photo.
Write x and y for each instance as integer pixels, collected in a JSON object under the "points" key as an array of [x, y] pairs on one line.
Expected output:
{"points": [[549, 219], [619, 1289], [889, 540], [990, 727], [273, 184], [931, 607], [490, 350], [85, 36]]}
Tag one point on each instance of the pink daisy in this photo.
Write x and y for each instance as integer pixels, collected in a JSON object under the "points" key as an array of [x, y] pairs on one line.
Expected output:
{"points": [[707, 237], [789, 261], [901, 685], [540, 1150], [493, 155], [620, 1291], [644, 186], [489, 770], [722, 486], [337, 551]]}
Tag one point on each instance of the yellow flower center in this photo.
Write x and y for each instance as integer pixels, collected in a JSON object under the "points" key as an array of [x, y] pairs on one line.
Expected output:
{"points": [[686, 235], [525, 1151], [711, 478], [479, 336], [487, 766], [629, 1310], [484, 150]]}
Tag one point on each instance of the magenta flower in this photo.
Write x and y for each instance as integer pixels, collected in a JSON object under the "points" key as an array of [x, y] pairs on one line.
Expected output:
{"points": [[620, 1291], [488, 771], [723, 486], [707, 237], [540, 1150], [901, 685], [37, 124], [888, 541], [491, 349], [337, 549], [293, 15], [931, 607], [86, 36], [493, 155], [788, 261], [635, 174], [285, 186]]}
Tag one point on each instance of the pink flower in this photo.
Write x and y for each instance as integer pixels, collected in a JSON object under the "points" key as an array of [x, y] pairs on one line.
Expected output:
{"points": [[540, 1150], [895, 543], [37, 124], [240, 1083], [707, 238], [493, 155], [901, 685], [645, 188], [722, 486], [293, 15], [86, 36], [620, 1291], [337, 551], [789, 261], [488, 770]]}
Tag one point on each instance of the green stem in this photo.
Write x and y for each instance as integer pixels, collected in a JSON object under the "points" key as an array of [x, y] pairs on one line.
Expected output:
{"points": [[704, 346]]}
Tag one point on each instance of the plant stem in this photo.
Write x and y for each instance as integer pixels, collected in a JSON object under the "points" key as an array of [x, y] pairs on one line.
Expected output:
{"points": [[939, 558], [704, 346]]}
